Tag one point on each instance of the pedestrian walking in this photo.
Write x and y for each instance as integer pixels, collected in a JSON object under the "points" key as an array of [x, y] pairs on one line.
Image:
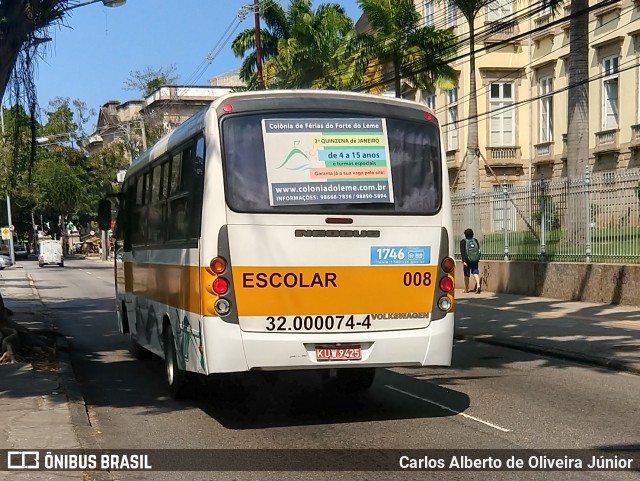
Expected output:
{"points": [[470, 252]]}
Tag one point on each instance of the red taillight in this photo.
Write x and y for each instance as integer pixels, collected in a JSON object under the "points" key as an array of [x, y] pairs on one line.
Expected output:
{"points": [[428, 117], [448, 264], [220, 286], [446, 284], [228, 108], [218, 265]]}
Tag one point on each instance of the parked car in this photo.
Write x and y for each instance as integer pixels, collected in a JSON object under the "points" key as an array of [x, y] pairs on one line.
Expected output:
{"points": [[5, 261], [20, 251]]}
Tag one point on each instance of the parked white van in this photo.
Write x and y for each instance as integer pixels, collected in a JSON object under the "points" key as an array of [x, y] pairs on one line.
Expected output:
{"points": [[50, 253]]}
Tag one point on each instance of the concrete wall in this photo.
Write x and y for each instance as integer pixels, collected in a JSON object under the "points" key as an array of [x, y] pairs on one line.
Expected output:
{"points": [[601, 283]]}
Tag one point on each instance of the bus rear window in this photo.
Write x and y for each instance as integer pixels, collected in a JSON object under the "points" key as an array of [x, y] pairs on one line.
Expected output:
{"points": [[288, 163]]}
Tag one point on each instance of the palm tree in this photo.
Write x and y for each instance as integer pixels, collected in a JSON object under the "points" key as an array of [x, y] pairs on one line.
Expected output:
{"points": [[308, 57], [398, 43], [470, 10], [578, 110], [298, 44], [244, 45]]}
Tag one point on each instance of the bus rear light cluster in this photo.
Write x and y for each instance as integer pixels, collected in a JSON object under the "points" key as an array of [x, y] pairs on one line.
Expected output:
{"points": [[445, 304], [218, 265], [220, 286], [448, 265], [222, 307], [446, 284]]}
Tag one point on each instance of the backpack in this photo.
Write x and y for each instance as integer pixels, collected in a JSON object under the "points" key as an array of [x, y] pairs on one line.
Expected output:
{"points": [[473, 250]]}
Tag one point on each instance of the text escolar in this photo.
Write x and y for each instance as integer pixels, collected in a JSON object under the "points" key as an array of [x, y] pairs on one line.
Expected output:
{"points": [[289, 279]]}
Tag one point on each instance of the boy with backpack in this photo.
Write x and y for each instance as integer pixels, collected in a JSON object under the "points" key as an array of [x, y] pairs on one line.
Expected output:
{"points": [[470, 251]]}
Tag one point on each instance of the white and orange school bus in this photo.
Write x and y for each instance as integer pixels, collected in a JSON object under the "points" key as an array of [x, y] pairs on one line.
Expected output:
{"points": [[288, 230]]}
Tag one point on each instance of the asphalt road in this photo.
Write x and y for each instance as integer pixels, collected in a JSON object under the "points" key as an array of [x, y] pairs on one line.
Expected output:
{"points": [[491, 398]]}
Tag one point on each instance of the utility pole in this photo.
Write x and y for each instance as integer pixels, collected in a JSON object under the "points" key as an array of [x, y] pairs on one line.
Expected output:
{"points": [[256, 14]]}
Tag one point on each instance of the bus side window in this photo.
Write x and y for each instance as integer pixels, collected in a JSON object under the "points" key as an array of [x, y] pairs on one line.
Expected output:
{"points": [[197, 188], [176, 172], [178, 218], [139, 214], [125, 212], [156, 223]]}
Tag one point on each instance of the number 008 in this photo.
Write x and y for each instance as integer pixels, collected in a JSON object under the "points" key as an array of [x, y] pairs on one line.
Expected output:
{"points": [[417, 279]]}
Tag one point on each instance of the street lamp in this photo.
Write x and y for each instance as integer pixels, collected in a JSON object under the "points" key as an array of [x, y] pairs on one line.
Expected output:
{"points": [[106, 3]]}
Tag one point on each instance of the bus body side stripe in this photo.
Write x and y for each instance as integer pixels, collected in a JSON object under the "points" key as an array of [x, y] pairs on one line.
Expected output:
{"points": [[173, 285]]}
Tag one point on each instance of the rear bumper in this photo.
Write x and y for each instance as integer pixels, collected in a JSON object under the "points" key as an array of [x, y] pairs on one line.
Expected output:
{"points": [[228, 349]]}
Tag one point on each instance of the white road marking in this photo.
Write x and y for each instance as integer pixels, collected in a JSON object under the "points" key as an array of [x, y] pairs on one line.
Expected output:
{"points": [[87, 272], [446, 408]]}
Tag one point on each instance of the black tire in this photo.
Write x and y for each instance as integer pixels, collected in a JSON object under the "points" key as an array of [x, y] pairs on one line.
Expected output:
{"points": [[354, 380], [40, 264], [177, 379], [61, 264]]}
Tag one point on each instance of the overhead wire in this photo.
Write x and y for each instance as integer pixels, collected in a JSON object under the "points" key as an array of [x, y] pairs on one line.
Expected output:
{"points": [[223, 40], [440, 20], [417, 68], [462, 100], [588, 80]]}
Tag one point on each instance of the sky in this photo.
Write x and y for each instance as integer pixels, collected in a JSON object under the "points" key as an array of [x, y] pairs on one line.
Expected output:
{"points": [[92, 53]]}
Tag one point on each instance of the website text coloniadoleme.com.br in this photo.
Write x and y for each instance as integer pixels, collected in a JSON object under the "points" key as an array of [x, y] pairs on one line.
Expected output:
{"points": [[326, 187]]}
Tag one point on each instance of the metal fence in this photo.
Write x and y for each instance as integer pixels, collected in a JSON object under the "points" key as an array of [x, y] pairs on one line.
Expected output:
{"points": [[591, 219]]}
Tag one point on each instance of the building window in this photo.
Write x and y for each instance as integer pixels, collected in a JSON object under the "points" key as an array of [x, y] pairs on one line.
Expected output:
{"points": [[502, 114], [499, 10], [610, 109], [430, 101], [451, 16], [546, 110], [452, 119], [428, 13]]}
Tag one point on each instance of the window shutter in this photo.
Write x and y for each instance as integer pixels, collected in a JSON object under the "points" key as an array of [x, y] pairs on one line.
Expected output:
{"points": [[611, 104], [544, 118], [494, 12], [496, 130], [508, 137]]}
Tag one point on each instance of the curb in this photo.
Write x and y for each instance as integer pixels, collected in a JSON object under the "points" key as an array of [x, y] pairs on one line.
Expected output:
{"points": [[78, 413], [611, 364]]}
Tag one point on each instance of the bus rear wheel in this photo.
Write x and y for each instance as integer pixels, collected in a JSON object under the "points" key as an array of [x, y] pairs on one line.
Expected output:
{"points": [[177, 378]]}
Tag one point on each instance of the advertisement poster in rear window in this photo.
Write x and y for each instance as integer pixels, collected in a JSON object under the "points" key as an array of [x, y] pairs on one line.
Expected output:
{"points": [[327, 161]]}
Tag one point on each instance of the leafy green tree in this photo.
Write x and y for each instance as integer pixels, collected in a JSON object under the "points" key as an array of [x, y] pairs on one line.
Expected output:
{"points": [[59, 186], [15, 152], [149, 79], [398, 42]]}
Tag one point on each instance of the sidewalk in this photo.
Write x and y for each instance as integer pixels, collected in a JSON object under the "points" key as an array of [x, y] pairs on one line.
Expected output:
{"points": [[39, 409], [605, 335]]}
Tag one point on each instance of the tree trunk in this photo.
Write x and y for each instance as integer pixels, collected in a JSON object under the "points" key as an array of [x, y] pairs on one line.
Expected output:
{"points": [[473, 160], [396, 78], [17, 342], [578, 116]]}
